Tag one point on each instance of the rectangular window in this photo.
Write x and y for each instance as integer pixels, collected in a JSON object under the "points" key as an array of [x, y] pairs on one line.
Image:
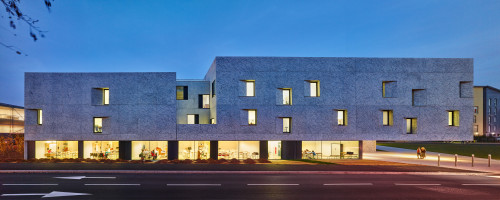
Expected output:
{"points": [[193, 119], [204, 101], [252, 117], [387, 118], [314, 88], [476, 110], [418, 97], [212, 121], [39, 117], [474, 119], [97, 124], [287, 96], [182, 92], [105, 96], [489, 119], [342, 117], [213, 88], [287, 125], [411, 125], [388, 89], [453, 118], [489, 102], [250, 88]]}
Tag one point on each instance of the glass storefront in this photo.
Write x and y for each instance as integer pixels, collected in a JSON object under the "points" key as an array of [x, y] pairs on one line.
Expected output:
{"points": [[101, 149], [238, 149], [150, 150], [194, 150], [274, 149], [56, 149], [330, 149]]}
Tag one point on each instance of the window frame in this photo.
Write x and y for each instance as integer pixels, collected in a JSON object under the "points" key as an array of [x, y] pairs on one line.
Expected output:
{"points": [[39, 117], [247, 83], [185, 93], [390, 120], [196, 118], [201, 101], [413, 121], [289, 124], [289, 96], [317, 88], [94, 124], [255, 117], [105, 96], [344, 117]]}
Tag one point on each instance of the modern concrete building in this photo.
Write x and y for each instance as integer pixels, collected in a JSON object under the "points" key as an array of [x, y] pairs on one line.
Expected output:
{"points": [[485, 111], [250, 107]]}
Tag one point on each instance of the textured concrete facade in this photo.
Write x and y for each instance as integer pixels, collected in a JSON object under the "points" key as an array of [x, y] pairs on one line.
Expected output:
{"points": [[486, 101], [143, 106]]}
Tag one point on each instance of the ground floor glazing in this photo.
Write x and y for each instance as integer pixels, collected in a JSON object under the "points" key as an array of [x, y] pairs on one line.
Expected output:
{"points": [[157, 150]]}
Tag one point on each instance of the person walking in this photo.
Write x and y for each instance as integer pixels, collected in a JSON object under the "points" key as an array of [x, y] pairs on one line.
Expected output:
{"points": [[423, 150], [418, 152]]}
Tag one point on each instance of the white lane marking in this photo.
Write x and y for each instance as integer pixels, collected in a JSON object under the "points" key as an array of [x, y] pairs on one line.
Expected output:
{"points": [[481, 184], [271, 184], [81, 177], [196, 184], [348, 184], [48, 195], [416, 184], [12, 184], [115, 184]]}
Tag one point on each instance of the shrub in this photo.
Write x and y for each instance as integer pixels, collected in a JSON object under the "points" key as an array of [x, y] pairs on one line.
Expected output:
{"points": [[249, 161], [135, 162], [121, 160], [164, 161], [263, 160], [200, 161], [187, 161], [234, 161], [222, 160], [212, 161]]}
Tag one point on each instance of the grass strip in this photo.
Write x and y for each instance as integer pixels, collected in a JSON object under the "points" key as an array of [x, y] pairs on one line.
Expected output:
{"points": [[479, 150]]}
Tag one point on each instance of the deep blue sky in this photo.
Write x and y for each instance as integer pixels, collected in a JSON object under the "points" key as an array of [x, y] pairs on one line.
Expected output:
{"points": [[185, 36]]}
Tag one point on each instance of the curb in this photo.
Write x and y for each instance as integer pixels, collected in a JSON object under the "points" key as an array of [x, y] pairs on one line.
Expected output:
{"points": [[233, 172]]}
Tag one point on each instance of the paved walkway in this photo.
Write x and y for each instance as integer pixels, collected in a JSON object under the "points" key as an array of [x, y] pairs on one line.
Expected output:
{"points": [[394, 154]]}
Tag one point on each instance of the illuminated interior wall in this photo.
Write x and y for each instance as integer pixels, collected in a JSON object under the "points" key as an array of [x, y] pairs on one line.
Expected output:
{"points": [[160, 148], [248, 149], [274, 149], [238, 149], [194, 150], [330, 149], [56, 149], [309, 146], [101, 149], [228, 149], [11, 120]]}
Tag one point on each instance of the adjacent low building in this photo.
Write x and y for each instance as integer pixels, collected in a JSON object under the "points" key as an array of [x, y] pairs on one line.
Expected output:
{"points": [[485, 111], [250, 107], [11, 119]]}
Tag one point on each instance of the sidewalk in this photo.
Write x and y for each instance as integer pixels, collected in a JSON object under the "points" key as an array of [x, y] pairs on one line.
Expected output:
{"points": [[394, 154]]}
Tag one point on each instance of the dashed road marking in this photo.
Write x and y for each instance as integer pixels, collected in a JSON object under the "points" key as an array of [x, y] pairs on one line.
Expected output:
{"points": [[347, 184], [195, 184], [112, 184], [273, 184], [28, 184], [415, 184]]}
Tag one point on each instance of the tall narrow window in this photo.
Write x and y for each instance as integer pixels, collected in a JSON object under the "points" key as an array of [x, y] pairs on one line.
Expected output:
{"points": [[250, 88], [411, 125], [105, 96], [287, 124], [193, 119], [252, 117], [212, 121], [287, 96], [453, 118], [182, 92], [314, 88], [387, 118], [474, 120], [213, 88], [476, 110], [97, 124], [342, 117], [204, 101], [39, 117]]}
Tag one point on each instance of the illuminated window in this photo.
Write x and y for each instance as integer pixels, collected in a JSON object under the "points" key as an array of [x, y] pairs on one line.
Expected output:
{"points": [[105, 96], [476, 128], [476, 109], [204, 101], [193, 119], [342, 117], [287, 96], [411, 125], [250, 88], [453, 118], [252, 117], [287, 125], [313, 88], [182, 92], [39, 117], [97, 124], [212, 121], [387, 118], [388, 89]]}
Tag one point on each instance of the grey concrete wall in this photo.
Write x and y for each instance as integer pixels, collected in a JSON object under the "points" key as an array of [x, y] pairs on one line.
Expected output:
{"points": [[142, 106], [354, 84], [190, 106]]}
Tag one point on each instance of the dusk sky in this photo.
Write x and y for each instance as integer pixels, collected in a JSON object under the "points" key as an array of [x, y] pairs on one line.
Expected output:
{"points": [[185, 36]]}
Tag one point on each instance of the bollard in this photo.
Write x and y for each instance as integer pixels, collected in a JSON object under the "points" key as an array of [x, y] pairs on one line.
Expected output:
{"points": [[456, 158], [439, 159], [472, 160], [489, 160]]}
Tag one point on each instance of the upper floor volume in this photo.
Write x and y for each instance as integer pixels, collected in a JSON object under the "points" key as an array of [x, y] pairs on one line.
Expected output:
{"points": [[259, 98]]}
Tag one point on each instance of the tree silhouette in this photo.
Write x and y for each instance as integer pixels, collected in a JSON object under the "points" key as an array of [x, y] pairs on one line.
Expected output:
{"points": [[16, 16]]}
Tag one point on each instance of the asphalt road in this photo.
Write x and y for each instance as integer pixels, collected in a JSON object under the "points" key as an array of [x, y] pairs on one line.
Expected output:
{"points": [[235, 186]]}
